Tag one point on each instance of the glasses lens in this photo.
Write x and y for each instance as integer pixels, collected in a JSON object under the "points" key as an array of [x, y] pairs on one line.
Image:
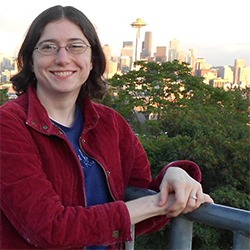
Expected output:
{"points": [[47, 49], [76, 48], [52, 49]]}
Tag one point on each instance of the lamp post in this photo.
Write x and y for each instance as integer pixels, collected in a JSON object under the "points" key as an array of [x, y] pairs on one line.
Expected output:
{"points": [[137, 24]]}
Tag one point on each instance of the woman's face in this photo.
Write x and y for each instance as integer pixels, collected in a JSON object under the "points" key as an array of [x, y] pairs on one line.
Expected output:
{"points": [[61, 73]]}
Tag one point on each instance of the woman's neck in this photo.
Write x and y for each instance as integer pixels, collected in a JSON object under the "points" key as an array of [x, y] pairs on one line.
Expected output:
{"points": [[62, 110], [65, 116]]}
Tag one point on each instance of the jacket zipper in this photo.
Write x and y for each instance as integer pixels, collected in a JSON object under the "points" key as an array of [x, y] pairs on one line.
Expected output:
{"points": [[82, 173], [80, 145], [103, 169]]}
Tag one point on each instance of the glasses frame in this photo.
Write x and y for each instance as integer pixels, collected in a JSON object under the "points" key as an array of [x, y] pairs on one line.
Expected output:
{"points": [[55, 52]]}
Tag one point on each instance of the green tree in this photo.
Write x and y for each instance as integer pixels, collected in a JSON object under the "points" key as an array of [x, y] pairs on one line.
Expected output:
{"points": [[193, 121], [3, 96], [153, 87]]}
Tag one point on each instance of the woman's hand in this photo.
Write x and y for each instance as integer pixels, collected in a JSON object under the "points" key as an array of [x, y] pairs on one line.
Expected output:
{"points": [[188, 193]]}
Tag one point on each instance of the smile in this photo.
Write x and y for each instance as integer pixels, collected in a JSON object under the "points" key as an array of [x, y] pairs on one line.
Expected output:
{"points": [[63, 73]]}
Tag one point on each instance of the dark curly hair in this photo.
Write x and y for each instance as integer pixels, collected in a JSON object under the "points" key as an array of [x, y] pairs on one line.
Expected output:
{"points": [[95, 85]]}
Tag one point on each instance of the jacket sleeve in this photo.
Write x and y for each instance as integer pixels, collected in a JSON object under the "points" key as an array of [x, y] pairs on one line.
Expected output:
{"points": [[156, 223], [189, 166], [33, 207], [140, 176], [140, 172]]}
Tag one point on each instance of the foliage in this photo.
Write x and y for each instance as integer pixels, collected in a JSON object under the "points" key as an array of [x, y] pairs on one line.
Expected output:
{"points": [[192, 121], [153, 87], [3, 96]]}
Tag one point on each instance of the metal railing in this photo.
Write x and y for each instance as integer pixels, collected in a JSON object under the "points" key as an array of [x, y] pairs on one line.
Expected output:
{"points": [[219, 216]]}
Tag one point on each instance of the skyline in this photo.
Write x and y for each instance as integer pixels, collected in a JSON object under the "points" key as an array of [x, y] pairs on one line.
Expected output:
{"points": [[217, 31]]}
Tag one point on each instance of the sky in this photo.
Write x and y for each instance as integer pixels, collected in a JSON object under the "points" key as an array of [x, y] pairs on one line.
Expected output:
{"points": [[217, 29]]}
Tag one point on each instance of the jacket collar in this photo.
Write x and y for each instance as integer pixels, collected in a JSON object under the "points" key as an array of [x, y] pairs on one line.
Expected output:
{"points": [[38, 119], [91, 115]]}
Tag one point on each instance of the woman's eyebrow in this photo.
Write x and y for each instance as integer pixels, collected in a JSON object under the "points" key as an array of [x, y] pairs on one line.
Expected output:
{"points": [[56, 41], [47, 40]]}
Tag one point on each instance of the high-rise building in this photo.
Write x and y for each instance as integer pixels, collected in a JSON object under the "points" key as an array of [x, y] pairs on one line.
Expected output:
{"points": [[239, 64], [125, 64], [126, 59], [191, 59], [147, 46], [201, 64], [127, 44], [127, 49], [173, 51], [208, 75], [107, 51], [161, 54], [226, 73], [111, 62], [174, 44], [182, 56], [127, 53], [245, 77]]}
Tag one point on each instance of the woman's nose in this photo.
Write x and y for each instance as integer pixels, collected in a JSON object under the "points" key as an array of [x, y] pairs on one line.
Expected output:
{"points": [[62, 55]]}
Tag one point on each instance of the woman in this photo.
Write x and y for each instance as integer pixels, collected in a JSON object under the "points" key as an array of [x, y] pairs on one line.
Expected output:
{"points": [[66, 161]]}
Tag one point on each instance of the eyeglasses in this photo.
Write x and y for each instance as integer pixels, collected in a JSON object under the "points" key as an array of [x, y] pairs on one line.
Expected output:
{"points": [[48, 49]]}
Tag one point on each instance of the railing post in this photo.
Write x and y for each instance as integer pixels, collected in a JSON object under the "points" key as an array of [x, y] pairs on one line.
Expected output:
{"points": [[181, 234], [241, 242], [130, 245]]}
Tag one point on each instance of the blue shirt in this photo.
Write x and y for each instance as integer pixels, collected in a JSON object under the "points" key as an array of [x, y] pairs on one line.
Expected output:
{"points": [[96, 188]]}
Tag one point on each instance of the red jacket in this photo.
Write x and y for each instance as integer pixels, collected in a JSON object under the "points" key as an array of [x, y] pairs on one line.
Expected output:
{"points": [[42, 194]]}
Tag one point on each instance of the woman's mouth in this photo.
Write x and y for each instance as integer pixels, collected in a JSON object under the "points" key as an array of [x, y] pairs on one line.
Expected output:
{"points": [[63, 73]]}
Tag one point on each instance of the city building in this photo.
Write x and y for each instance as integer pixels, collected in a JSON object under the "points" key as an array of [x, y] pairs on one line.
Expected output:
{"points": [[147, 46], [218, 83], [208, 75], [161, 54], [226, 77], [191, 59], [226, 72], [8, 67], [111, 62], [173, 51], [127, 56], [201, 64], [239, 64], [244, 78]]}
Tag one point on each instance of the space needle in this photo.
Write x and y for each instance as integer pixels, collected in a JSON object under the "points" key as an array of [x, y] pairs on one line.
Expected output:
{"points": [[138, 24]]}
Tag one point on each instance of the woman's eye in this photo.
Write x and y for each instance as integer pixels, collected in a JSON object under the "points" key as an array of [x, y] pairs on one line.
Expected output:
{"points": [[76, 46], [48, 47]]}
